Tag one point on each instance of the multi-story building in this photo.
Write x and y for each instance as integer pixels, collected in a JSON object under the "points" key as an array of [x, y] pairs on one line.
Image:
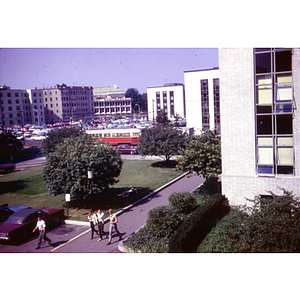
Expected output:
{"points": [[68, 103], [15, 107], [169, 98], [260, 121], [111, 101], [202, 99], [37, 106]]}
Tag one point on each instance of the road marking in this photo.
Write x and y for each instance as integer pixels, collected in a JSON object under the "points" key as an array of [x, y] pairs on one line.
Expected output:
{"points": [[71, 240]]}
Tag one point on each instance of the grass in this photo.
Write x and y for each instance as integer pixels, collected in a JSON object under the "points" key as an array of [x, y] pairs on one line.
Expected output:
{"points": [[27, 187]]}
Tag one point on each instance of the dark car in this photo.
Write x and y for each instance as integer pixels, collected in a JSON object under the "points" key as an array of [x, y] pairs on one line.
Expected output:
{"points": [[18, 227], [6, 211], [126, 149], [6, 168]]}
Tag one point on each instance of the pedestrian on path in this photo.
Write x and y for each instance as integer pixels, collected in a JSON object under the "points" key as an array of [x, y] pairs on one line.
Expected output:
{"points": [[93, 221], [41, 226], [113, 225], [100, 223]]}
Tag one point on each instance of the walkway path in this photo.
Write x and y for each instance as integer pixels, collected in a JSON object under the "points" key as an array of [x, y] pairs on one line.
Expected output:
{"points": [[130, 220]]}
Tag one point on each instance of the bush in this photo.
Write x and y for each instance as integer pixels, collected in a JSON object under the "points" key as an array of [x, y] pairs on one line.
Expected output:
{"points": [[162, 221], [182, 201], [145, 242], [190, 234], [211, 186]]}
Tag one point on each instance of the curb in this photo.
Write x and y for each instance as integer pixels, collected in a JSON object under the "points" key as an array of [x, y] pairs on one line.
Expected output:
{"points": [[74, 222]]}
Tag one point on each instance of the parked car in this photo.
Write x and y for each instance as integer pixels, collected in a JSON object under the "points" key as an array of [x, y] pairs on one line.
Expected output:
{"points": [[18, 227], [8, 167], [6, 211], [126, 149]]}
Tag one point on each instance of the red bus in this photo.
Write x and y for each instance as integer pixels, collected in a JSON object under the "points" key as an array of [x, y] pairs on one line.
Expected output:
{"points": [[116, 136]]}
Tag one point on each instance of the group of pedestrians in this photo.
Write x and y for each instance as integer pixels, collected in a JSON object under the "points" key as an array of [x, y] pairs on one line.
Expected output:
{"points": [[96, 220]]}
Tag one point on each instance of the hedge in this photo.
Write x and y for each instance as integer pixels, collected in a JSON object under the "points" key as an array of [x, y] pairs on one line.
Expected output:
{"points": [[189, 235]]}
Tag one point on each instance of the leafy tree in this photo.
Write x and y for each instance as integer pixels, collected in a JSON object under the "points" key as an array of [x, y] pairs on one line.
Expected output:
{"points": [[202, 154], [56, 137], [137, 98], [66, 168], [161, 140], [8, 145]]}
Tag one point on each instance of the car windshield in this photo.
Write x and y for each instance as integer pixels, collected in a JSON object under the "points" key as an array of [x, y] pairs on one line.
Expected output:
{"points": [[15, 219]]}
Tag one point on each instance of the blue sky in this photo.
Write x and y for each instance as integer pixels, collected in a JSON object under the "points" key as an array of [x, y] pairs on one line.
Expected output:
{"points": [[139, 68]]}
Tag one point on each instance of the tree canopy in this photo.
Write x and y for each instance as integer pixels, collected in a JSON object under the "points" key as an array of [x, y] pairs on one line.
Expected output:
{"points": [[161, 140], [137, 98], [67, 167], [202, 154], [56, 137]]}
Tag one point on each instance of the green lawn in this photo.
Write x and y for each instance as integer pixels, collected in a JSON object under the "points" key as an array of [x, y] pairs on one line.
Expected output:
{"points": [[27, 187]]}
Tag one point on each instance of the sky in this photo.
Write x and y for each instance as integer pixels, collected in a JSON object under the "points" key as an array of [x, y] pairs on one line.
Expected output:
{"points": [[27, 68]]}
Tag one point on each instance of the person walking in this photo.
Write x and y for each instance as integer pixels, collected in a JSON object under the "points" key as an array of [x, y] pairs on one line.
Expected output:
{"points": [[41, 226], [113, 225], [100, 223], [93, 221]]}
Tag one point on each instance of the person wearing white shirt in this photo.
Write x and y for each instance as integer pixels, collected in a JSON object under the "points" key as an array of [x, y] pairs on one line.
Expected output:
{"points": [[113, 225], [100, 223], [93, 221], [41, 226]]}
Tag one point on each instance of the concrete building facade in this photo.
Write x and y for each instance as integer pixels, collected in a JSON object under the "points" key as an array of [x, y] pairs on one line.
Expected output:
{"points": [[260, 121], [170, 98], [202, 99]]}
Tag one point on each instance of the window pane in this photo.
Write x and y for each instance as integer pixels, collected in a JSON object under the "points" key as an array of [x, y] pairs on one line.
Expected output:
{"points": [[264, 141], [283, 61], [265, 94], [285, 170], [284, 108], [284, 124], [263, 63], [284, 78], [285, 156], [264, 124], [265, 156], [284, 93], [264, 79], [285, 141], [264, 109], [265, 169]]}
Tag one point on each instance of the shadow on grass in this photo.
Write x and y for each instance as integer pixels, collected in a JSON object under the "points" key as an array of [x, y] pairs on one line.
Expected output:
{"points": [[165, 164], [12, 186], [109, 199]]}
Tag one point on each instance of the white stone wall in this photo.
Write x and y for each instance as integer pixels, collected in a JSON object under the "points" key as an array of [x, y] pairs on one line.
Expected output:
{"points": [[239, 179]]}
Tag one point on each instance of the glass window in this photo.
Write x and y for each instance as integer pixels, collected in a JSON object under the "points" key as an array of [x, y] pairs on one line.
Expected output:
{"points": [[283, 60], [264, 124], [284, 124], [285, 156], [285, 141], [265, 156], [263, 63], [264, 141], [264, 94]]}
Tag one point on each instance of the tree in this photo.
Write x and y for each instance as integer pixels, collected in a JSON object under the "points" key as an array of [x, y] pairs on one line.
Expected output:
{"points": [[137, 98], [66, 168], [161, 140], [8, 145], [202, 154], [56, 137]]}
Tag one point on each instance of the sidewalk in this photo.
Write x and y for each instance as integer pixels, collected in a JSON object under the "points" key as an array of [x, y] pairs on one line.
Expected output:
{"points": [[132, 218]]}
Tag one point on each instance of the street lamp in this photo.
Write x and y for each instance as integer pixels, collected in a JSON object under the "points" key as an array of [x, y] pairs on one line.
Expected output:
{"points": [[90, 177], [67, 198], [139, 109]]}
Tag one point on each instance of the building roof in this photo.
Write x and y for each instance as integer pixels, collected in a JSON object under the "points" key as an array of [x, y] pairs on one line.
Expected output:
{"points": [[214, 68], [108, 89]]}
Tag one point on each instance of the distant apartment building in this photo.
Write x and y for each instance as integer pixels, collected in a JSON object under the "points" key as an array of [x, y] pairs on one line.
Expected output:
{"points": [[169, 98], [68, 103], [202, 98], [16, 107], [37, 106], [260, 121], [111, 101]]}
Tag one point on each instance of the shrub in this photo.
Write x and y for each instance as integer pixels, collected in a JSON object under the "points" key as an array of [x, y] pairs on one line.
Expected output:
{"points": [[190, 234], [145, 242], [162, 221], [211, 186], [183, 201]]}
